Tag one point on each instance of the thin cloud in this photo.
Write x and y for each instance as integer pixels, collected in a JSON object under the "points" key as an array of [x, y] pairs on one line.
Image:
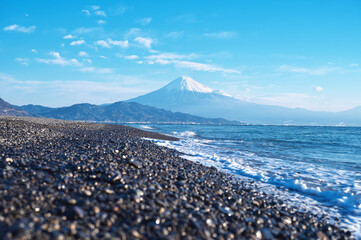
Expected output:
{"points": [[145, 42], [58, 60], [83, 54], [24, 61], [221, 35], [86, 12], [133, 32], [145, 21], [34, 50], [69, 37], [203, 67], [131, 57], [175, 34], [309, 71], [96, 70], [18, 28], [354, 64], [100, 13], [6, 77], [78, 42], [319, 89], [185, 18], [171, 56], [101, 22]]}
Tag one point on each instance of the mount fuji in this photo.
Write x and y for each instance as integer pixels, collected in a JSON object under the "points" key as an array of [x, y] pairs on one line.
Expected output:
{"points": [[189, 96]]}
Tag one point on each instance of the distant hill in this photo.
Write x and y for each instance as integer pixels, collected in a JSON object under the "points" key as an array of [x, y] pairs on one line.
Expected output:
{"points": [[119, 112], [189, 96], [6, 109]]}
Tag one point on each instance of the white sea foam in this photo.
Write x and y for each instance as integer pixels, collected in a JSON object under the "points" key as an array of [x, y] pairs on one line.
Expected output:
{"points": [[185, 134], [305, 183], [146, 127]]}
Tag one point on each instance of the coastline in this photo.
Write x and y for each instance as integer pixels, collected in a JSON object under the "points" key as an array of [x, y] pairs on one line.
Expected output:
{"points": [[63, 179]]}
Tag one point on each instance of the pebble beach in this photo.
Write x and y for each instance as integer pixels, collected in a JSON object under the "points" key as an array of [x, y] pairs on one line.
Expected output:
{"points": [[77, 180]]}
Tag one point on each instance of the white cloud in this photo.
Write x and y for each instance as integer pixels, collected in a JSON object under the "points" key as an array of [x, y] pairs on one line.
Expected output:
{"points": [[87, 60], [100, 13], [139, 62], [34, 50], [145, 21], [78, 42], [309, 71], [69, 36], [354, 64], [109, 43], [24, 61], [94, 10], [58, 60], [103, 44], [83, 54], [19, 28], [96, 70], [104, 57], [101, 22], [122, 44], [203, 67], [86, 12], [319, 89], [131, 57], [146, 42], [222, 35], [163, 62]]}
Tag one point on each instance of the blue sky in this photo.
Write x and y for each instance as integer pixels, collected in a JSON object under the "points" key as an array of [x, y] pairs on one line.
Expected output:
{"points": [[290, 53]]}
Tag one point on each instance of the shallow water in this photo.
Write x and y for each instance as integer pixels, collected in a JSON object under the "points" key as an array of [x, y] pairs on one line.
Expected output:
{"points": [[321, 165]]}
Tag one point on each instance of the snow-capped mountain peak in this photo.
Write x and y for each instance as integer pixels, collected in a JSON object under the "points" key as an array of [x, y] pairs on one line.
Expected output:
{"points": [[185, 83]]}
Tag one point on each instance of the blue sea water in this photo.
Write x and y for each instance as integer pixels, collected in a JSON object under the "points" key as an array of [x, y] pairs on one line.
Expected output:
{"points": [[318, 168]]}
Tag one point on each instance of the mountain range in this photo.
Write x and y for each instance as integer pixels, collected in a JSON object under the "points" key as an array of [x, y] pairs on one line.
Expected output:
{"points": [[185, 100], [6, 109], [118, 112], [189, 96]]}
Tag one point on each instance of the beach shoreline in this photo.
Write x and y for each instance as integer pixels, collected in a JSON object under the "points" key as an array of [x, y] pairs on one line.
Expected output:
{"points": [[64, 180]]}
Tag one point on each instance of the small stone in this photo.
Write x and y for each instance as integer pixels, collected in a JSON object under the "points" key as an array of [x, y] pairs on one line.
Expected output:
{"points": [[136, 234], [96, 209], [80, 213], [266, 234], [322, 236], [135, 163], [72, 201], [287, 220], [226, 210], [9, 160], [87, 192], [109, 191]]}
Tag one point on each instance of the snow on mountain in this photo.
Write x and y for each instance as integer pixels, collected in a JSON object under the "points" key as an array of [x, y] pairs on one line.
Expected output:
{"points": [[185, 83]]}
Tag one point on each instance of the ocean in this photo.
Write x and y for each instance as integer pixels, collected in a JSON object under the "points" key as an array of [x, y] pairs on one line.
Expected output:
{"points": [[313, 168]]}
